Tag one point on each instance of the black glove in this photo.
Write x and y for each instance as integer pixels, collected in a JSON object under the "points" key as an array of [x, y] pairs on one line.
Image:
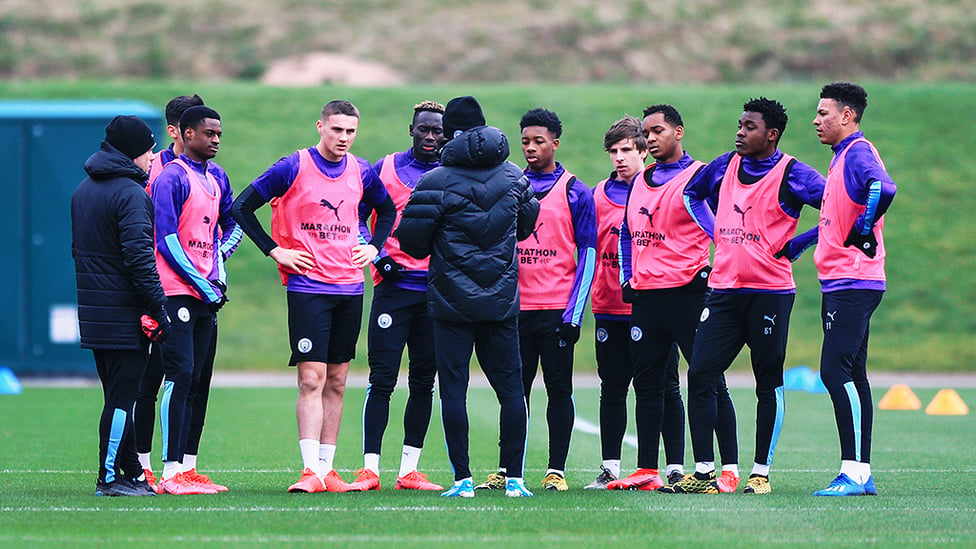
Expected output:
{"points": [[389, 269], [222, 298], [788, 251], [867, 243], [156, 326], [628, 294], [568, 334]]}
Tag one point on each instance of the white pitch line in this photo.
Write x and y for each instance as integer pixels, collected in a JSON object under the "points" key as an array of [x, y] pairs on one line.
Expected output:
{"points": [[590, 428], [454, 508]]}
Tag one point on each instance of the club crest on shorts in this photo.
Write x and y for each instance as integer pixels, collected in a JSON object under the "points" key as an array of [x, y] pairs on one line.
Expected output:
{"points": [[601, 335], [384, 321], [183, 314], [636, 333], [304, 345], [704, 315]]}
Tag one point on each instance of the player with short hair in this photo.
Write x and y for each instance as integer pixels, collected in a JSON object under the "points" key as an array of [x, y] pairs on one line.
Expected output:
{"points": [[145, 411], [315, 196], [664, 262], [556, 266], [627, 147], [850, 258], [749, 202], [192, 207], [398, 316]]}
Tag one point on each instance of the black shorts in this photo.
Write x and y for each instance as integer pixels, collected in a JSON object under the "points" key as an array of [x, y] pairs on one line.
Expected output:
{"points": [[323, 327]]}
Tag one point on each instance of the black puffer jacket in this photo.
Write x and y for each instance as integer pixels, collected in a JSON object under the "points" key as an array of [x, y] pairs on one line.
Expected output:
{"points": [[112, 244], [466, 215]]}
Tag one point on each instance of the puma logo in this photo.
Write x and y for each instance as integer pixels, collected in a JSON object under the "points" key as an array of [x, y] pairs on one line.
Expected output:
{"points": [[831, 315], [772, 319], [615, 231], [535, 232], [741, 212], [335, 209], [650, 215]]}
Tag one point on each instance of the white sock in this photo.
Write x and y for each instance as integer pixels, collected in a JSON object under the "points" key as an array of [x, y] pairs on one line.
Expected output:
{"points": [[146, 461], [189, 462], [865, 472], [409, 460], [674, 467], [612, 465], [556, 471], [705, 467], [760, 469], [171, 469], [856, 471], [734, 467], [850, 468], [503, 471], [326, 457], [309, 448], [371, 462]]}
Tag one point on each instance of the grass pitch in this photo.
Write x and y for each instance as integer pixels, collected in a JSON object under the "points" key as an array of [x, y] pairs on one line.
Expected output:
{"points": [[923, 467]]}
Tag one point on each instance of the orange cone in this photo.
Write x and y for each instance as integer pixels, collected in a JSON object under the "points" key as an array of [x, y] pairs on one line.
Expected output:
{"points": [[899, 397], [947, 402]]}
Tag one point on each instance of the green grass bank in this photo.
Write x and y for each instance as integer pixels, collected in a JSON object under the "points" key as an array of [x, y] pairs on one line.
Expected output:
{"points": [[925, 323]]}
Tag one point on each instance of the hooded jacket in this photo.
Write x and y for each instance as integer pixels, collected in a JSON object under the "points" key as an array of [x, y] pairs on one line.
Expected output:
{"points": [[112, 245], [468, 215]]}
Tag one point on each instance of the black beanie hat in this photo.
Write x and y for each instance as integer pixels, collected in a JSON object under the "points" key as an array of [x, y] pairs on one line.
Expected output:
{"points": [[130, 135], [462, 114]]}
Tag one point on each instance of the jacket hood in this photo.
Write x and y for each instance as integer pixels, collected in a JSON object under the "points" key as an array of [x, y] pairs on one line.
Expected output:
{"points": [[110, 163], [481, 147]]}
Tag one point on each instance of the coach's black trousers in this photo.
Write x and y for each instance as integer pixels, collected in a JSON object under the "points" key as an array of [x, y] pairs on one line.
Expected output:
{"points": [[120, 372], [497, 348]]}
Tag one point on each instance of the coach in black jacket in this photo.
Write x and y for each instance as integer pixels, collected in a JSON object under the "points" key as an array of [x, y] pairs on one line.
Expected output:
{"points": [[112, 245], [467, 215]]}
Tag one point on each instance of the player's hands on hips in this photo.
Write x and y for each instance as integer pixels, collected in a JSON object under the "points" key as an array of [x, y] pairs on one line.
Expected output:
{"points": [[867, 243], [389, 269], [791, 250], [296, 261], [364, 254]]}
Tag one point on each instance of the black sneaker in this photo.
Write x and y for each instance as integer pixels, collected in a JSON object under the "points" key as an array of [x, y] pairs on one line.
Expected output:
{"points": [[675, 477], [143, 485], [119, 487]]}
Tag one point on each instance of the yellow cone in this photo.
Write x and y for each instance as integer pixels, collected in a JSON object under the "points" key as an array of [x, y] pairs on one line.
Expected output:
{"points": [[899, 397], [947, 402]]}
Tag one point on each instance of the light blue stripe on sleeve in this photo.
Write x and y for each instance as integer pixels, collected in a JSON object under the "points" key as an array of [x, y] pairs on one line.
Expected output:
{"points": [[589, 267], [199, 282], [231, 241], [871, 211]]}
